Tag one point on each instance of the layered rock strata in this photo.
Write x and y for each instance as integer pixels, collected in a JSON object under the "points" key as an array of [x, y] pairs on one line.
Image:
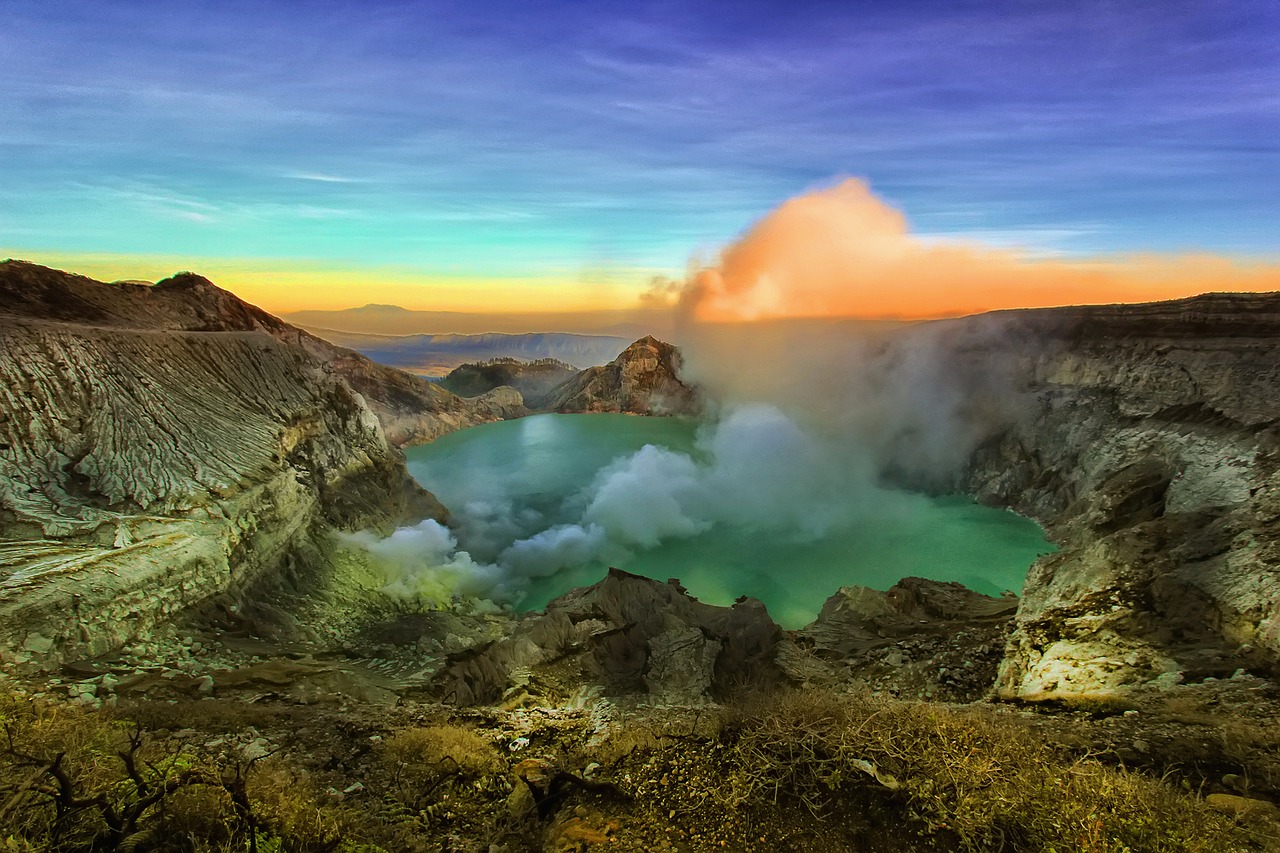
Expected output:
{"points": [[160, 445], [411, 409], [1149, 448]]}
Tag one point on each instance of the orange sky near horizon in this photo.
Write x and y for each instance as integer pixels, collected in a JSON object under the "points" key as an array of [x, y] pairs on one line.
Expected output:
{"points": [[284, 286], [838, 251], [841, 251]]}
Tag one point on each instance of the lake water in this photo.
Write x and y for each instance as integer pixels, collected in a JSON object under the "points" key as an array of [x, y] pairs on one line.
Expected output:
{"points": [[508, 481]]}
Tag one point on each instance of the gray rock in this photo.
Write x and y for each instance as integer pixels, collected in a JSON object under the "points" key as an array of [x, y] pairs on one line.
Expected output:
{"points": [[1147, 445], [630, 634], [38, 643], [166, 444], [681, 665]]}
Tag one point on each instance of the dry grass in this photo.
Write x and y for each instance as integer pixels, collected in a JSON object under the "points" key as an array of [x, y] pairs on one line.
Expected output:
{"points": [[445, 748], [789, 764], [987, 780], [419, 761], [70, 779]]}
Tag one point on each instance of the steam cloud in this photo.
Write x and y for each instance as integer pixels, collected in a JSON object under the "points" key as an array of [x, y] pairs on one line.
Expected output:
{"points": [[841, 251], [754, 468], [816, 412]]}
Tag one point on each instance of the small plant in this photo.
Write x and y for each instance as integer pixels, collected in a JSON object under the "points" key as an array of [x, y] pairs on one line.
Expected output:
{"points": [[77, 781], [72, 779], [420, 760]]}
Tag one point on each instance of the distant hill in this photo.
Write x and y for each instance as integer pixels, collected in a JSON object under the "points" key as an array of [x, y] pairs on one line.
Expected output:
{"points": [[436, 355], [535, 380], [376, 319]]}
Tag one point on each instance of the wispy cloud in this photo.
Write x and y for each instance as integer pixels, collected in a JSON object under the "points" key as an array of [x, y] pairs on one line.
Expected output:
{"points": [[448, 134], [322, 178]]}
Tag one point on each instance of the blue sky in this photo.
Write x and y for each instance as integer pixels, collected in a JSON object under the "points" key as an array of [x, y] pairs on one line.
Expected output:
{"points": [[590, 140]]}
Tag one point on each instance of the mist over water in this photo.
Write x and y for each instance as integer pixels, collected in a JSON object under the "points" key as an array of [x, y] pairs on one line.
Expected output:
{"points": [[780, 491], [751, 503]]}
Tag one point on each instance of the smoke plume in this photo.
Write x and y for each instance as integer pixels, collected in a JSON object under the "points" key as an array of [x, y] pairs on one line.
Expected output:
{"points": [[753, 468], [815, 419], [843, 252]]}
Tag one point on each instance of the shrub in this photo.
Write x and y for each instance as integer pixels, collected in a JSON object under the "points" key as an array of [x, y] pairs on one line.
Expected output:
{"points": [[990, 781], [420, 760]]}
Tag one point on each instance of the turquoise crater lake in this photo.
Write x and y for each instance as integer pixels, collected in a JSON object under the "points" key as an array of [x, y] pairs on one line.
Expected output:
{"points": [[509, 481]]}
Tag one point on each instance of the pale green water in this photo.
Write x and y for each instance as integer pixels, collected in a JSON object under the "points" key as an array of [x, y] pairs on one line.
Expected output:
{"points": [[510, 480]]}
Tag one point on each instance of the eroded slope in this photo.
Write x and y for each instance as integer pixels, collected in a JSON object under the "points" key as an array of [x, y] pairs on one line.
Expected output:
{"points": [[1150, 451], [158, 447]]}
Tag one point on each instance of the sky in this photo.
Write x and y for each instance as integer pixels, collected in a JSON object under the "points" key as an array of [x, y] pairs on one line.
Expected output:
{"points": [[559, 155]]}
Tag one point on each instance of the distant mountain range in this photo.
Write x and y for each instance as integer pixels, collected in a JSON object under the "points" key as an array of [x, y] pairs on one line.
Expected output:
{"points": [[376, 319], [437, 355]]}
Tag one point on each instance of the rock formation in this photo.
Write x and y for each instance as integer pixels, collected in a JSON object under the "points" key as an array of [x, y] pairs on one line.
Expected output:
{"points": [[920, 639], [1149, 449], [535, 380], [161, 444], [643, 380], [628, 634]]}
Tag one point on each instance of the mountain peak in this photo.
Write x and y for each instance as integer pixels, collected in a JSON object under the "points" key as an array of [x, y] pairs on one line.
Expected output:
{"points": [[383, 308]]}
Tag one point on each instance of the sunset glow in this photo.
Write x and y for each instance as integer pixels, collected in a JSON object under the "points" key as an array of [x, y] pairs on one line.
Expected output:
{"points": [[499, 156], [843, 252]]}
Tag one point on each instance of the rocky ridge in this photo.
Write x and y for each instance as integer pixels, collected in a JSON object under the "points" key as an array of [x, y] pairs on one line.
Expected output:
{"points": [[643, 380], [535, 380], [162, 445], [1149, 448], [411, 409]]}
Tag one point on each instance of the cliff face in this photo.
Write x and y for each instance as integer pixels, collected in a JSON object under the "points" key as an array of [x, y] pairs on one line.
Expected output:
{"points": [[644, 380], [1149, 448], [159, 445]]}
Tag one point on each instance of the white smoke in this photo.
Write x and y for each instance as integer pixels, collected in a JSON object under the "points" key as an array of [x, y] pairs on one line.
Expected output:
{"points": [[754, 468], [423, 562]]}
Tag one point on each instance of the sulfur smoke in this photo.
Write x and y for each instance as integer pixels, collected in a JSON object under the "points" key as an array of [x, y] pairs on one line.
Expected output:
{"points": [[753, 468], [842, 252], [816, 419]]}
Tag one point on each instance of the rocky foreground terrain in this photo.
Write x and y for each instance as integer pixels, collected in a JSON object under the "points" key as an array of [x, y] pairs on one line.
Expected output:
{"points": [[194, 662]]}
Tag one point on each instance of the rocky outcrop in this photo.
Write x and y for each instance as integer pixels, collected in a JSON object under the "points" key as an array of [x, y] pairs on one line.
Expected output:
{"points": [[643, 380], [1149, 448], [628, 634], [919, 639], [159, 445], [413, 410], [535, 380]]}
